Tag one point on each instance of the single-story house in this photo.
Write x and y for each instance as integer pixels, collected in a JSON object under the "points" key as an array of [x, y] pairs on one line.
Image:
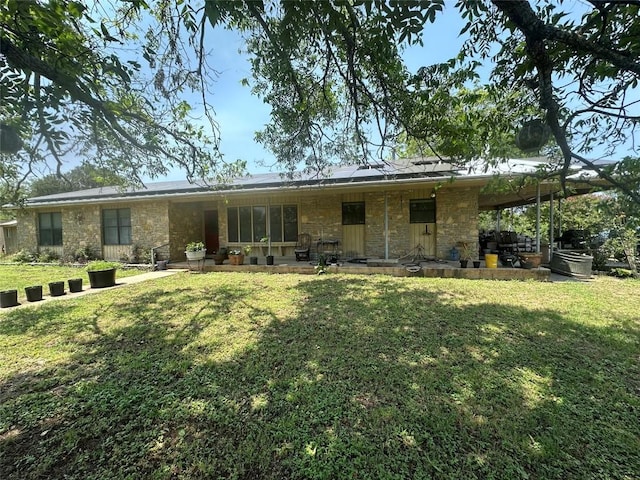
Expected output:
{"points": [[379, 211], [8, 236]]}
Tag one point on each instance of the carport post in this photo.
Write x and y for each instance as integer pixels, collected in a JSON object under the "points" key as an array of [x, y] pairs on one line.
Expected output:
{"points": [[538, 217], [552, 227], [386, 226]]}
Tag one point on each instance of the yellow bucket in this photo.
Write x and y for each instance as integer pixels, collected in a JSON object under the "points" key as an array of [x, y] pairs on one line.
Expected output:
{"points": [[491, 259]]}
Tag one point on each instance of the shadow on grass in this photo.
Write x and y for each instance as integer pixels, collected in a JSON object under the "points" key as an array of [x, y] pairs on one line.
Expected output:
{"points": [[347, 378]]}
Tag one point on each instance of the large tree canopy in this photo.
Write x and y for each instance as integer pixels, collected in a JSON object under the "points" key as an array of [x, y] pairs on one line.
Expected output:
{"points": [[333, 73]]}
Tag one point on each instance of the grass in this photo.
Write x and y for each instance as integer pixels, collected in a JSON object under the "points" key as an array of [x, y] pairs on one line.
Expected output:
{"points": [[231, 375], [16, 277]]}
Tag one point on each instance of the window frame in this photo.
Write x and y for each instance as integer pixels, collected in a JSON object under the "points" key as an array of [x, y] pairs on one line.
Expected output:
{"points": [[431, 212], [120, 227], [351, 210], [259, 229], [55, 233]]}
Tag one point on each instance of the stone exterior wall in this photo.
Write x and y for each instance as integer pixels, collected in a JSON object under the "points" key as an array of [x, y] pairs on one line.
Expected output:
{"points": [[456, 219], [27, 230], [82, 226], [185, 224], [150, 224], [398, 212], [320, 214], [374, 222]]}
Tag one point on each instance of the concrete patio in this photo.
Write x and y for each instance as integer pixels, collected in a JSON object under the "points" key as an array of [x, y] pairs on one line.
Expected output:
{"points": [[372, 266]]}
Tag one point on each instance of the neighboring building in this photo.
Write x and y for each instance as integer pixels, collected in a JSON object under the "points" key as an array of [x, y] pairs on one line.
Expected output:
{"points": [[384, 211], [8, 237]]}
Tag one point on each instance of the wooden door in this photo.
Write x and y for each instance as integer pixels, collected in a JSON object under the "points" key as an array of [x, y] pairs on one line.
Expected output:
{"points": [[353, 241], [423, 236], [211, 234]]}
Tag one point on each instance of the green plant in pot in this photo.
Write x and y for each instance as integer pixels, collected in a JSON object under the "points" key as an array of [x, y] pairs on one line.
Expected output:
{"points": [[465, 253], [267, 241], [236, 256], [102, 273], [195, 251]]}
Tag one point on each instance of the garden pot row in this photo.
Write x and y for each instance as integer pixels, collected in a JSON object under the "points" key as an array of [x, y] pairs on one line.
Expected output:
{"points": [[9, 298], [97, 279]]}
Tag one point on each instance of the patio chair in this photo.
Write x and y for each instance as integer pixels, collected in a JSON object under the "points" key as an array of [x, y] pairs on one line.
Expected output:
{"points": [[303, 247], [508, 242]]}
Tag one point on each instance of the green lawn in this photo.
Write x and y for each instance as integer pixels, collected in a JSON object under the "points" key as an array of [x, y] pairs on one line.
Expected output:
{"points": [[16, 277], [252, 376]]}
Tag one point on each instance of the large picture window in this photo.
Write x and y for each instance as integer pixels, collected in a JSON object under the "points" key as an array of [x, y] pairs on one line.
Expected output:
{"points": [[116, 226], [249, 224], [50, 229], [422, 211], [353, 213]]}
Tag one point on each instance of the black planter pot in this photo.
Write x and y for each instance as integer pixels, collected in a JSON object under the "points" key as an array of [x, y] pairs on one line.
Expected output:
{"points": [[269, 259], [8, 298], [463, 263], [75, 285], [102, 278], [56, 289], [476, 264], [253, 260], [34, 293]]}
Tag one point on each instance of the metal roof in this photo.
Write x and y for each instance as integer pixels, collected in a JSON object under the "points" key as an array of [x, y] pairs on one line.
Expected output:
{"points": [[405, 170], [341, 175]]}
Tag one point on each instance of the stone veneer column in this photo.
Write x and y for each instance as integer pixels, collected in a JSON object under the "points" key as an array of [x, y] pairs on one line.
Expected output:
{"points": [[456, 219], [186, 224]]}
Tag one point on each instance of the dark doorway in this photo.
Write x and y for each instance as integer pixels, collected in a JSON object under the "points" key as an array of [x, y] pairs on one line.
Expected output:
{"points": [[211, 231]]}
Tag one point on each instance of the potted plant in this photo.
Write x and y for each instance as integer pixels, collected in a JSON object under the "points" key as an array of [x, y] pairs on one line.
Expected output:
{"points": [[267, 240], [102, 273], [195, 251], [253, 260], [220, 256], [236, 256], [530, 258], [465, 253]]}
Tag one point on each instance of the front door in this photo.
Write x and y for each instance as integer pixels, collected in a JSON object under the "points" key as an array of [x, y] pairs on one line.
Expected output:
{"points": [[211, 231], [422, 239]]}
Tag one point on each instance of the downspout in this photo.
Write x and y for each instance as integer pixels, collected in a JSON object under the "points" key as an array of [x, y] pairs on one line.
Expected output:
{"points": [[559, 217], [386, 226], [538, 217], [269, 227], [552, 227]]}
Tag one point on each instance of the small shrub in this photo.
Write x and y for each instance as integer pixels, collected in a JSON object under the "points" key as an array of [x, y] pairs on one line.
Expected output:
{"points": [[25, 256], [48, 256], [599, 260], [102, 265], [622, 273], [84, 255]]}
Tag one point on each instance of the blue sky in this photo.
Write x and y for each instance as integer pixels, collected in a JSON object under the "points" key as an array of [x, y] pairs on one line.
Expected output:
{"points": [[240, 114]]}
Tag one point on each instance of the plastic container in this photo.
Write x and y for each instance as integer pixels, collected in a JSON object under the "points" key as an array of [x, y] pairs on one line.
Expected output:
{"points": [[75, 285], [491, 260], [8, 298], [56, 289], [33, 293]]}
